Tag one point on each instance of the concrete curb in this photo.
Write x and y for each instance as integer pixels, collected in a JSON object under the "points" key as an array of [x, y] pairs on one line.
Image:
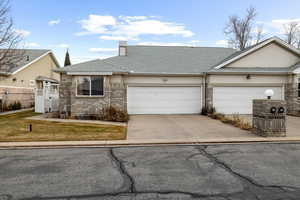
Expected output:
{"points": [[152, 142]]}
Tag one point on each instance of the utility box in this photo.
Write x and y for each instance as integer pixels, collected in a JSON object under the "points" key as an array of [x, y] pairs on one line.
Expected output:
{"points": [[269, 118]]}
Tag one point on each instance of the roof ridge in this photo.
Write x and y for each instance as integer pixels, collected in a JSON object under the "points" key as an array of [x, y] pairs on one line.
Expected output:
{"points": [[179, 46]]}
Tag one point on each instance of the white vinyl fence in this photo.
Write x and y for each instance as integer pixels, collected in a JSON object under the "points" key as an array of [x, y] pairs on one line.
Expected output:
{"points": [[47, 98]]}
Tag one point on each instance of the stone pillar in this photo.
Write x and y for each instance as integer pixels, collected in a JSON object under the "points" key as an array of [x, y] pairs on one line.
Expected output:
{"points": [[269, 118], [118, 98], [65, 94], [291, 96]]}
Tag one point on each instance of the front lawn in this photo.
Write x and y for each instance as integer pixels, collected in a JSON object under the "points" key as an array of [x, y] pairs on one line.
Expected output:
{"points": [[15, 128]]}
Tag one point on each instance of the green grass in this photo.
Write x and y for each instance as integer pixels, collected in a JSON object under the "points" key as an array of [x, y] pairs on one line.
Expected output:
{"points": [[15, 128]]}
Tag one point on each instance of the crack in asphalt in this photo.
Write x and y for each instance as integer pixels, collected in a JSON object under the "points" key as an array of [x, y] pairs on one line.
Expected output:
{"points": [[123, 170], [252, 189], [250, 184], [248, 179], [6, 197]]}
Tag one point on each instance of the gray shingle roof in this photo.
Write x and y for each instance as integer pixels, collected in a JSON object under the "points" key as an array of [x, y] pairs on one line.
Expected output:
{"points": [[172, 60], [157, 60], [92, 66], [28, 56]]}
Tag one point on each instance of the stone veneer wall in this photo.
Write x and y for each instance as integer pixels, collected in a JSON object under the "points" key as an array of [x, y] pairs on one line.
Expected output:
{"points": [[114, 95], [291, 96], [269, 124]]}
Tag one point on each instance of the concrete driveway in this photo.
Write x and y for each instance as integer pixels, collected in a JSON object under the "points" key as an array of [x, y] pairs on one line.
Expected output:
{"points": [[181, 127]]}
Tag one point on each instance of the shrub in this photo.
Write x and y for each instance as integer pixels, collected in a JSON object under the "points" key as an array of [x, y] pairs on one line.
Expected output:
{"points": [[218, 116], [246, 126], [211, 110], [235, 120], [12, 106], [114, 114], [204, 111]]}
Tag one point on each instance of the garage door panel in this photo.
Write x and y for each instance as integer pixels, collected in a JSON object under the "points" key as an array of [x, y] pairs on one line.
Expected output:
{"points": [[231, 100], [164, 100]]}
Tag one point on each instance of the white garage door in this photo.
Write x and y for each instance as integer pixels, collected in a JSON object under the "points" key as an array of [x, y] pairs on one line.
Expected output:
{"points": [[229, 100], [164, 100]]}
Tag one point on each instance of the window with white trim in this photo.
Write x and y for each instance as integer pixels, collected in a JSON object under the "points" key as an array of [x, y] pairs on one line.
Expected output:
{"points": [[90, 86]]}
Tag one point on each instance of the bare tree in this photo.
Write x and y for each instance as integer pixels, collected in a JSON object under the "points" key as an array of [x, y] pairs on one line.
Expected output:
{"points": [[291, 32], [259, 34], [298, 41], [239, 30], [9, 40]]}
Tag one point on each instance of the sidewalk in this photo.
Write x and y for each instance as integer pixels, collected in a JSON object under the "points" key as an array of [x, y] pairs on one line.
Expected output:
{"points": [[143, 142]]}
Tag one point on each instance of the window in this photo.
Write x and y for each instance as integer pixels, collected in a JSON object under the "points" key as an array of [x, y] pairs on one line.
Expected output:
{"points": [[90, 86]]}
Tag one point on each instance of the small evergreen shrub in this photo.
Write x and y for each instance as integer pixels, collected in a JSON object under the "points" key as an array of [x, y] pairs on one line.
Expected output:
{"points": [[12, 106]]}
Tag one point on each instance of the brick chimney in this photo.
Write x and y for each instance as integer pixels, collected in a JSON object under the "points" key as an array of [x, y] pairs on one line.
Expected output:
{"points": [[122, 48]]}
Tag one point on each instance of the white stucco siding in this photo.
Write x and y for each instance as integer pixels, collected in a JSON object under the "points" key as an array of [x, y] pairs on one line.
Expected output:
{"points": [[163, 80], [242, 79], [272, 55]]}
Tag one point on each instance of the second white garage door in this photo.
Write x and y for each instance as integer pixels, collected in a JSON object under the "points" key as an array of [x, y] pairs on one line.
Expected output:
{"points": [[229, 100], [164, 100]]}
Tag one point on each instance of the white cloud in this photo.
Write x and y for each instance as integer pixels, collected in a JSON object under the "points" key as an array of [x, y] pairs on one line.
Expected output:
{"points": [[130, 27], [54, 22], [222, 43], [101, 50], [117, 38], [23, 33], [96, 24], [32, 44], [264, 31], [63, 45], [136, 28], [130, 18], [277, 25]]}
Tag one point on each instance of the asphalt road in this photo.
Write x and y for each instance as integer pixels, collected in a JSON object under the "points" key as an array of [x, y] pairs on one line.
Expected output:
{"points": [[221, 172]]}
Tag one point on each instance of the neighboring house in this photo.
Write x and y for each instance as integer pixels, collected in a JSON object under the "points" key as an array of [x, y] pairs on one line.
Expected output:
{"points": [[182, 80], [18, 82]]}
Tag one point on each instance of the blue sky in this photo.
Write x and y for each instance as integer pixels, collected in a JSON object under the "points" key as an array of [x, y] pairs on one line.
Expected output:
{"points": [[91, 28]]}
